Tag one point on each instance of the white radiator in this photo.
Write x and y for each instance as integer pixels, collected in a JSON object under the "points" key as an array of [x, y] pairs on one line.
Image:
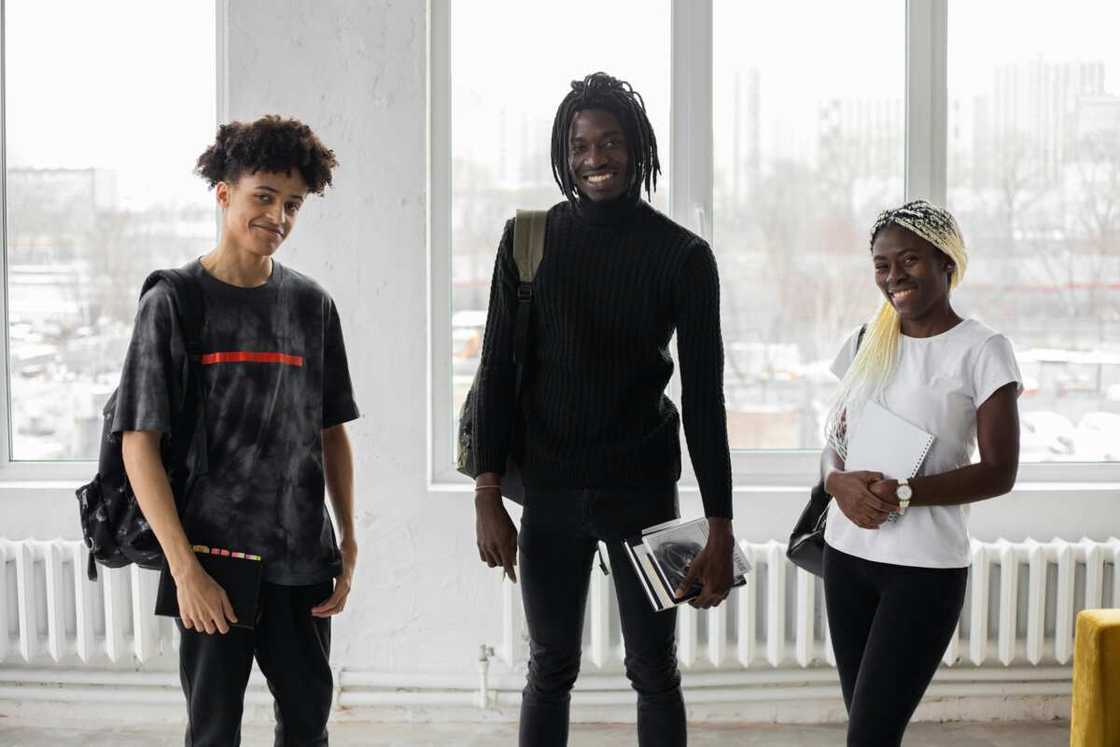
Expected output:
{"points": [[1020, 607], [50, 610]]}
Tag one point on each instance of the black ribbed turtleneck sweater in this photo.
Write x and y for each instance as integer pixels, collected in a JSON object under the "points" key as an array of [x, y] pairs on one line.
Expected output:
{"points": [[616, 280]]}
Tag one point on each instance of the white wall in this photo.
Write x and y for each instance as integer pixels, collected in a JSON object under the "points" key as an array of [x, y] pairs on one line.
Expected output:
{"points": [[356, 72]]}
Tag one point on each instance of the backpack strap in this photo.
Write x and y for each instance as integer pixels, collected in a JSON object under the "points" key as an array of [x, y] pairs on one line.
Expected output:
{"points": [[528, 242], [528, 251], [187, 295], [190, 432]]}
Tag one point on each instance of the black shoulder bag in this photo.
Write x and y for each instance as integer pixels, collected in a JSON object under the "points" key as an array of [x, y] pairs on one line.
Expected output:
{"points": [[113, 526], [806, 541]]}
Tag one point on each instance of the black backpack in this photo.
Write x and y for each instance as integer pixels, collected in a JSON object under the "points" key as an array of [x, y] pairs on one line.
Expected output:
{"points": [[113, 527]]}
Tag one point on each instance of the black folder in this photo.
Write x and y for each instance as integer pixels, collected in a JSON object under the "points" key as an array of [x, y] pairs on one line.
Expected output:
{"points": [[238, 573]]}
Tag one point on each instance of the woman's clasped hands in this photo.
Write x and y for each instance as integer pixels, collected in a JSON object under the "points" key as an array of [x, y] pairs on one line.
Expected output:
{"points": [[864, 497]]}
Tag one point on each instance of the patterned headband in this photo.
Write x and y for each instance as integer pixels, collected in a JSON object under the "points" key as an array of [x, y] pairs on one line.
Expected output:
{"points": [[932, 223]]}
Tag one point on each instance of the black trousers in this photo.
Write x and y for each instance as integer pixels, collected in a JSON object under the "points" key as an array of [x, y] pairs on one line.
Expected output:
{"points": [[560, 530], [292, 649], [890, 625]]}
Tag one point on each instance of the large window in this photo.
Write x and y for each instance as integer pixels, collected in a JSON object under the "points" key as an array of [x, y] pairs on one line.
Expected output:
{"points": [[809, 131], [107, 105], [1034, 178], [792, 125]]}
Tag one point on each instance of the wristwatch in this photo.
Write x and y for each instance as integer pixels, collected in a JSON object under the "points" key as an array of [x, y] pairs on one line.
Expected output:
{"points": [[904, 493]]}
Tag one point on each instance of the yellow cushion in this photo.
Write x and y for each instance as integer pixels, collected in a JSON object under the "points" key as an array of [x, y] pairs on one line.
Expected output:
{"points": [[1095, 720]]}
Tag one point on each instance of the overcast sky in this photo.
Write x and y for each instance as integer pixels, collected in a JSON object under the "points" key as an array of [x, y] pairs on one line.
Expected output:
{"points": [[120, 84], [129, 84]]}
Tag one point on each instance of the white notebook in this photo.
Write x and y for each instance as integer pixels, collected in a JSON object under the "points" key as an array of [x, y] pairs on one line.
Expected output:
{"points": [[884, 442]]}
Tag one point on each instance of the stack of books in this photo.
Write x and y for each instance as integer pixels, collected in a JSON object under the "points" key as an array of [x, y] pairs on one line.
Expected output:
{"points": [[661, 555]]}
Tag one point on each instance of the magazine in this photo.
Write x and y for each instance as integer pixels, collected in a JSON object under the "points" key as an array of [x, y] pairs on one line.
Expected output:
{"points": [[661, 556]]}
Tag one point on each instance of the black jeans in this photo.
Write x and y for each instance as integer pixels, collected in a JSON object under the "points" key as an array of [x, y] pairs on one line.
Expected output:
{"points": [[292, 649], [560, 530], [890, 625]]}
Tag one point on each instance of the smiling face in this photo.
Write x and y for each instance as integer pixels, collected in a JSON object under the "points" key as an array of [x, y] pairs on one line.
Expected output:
{"points": [[598, 155], [911, 272], [260, 209]]}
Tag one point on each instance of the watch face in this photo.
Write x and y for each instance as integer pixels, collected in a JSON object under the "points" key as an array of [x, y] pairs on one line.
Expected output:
{"points": [[904, 492]]}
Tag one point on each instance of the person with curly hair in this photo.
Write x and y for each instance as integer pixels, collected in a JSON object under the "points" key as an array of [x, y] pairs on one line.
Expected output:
{"points": [[896, 550], [595, 435], [277, 393]]}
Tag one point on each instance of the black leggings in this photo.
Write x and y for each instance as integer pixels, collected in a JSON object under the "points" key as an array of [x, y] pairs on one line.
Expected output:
{"points": [[890, 625]]}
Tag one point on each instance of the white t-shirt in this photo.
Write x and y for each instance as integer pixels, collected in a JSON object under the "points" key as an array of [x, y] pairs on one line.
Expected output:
{"points": [[938, 386]]}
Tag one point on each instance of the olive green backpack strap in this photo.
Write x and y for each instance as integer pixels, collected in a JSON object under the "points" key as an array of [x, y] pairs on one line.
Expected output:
{"points": [[528, 243], [528, 250]]}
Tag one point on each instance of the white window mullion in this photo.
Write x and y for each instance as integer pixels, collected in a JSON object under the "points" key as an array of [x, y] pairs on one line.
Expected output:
{"points": [[221, 47], [5, 388], [440, 415], [690, 137], [221, 84], [927, 93]]}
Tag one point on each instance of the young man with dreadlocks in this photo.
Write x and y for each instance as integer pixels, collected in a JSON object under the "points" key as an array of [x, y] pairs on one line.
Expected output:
{"points": [[277, 392], [598, 441], [896, 556]]}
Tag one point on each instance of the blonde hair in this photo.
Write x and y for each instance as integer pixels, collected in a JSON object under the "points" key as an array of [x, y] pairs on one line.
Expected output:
{"points": [[875, 361]]}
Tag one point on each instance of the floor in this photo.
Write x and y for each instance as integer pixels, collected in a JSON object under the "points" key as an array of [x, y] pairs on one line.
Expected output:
{"points": [[1033, 734]]}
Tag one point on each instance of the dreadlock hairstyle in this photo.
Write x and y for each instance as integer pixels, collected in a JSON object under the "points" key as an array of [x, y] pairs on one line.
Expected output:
{"points": [[602, 91], [877, 358], [271, 143]]}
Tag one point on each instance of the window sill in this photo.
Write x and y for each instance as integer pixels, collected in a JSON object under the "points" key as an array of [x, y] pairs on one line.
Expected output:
{"points": [[802, 487], [70, 474]]}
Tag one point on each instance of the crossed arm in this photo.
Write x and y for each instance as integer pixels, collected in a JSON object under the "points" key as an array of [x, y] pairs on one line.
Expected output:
{"points": [[867, 499]]}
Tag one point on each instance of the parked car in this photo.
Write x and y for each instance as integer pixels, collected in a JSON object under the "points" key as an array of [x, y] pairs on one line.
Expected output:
{"points": [[1045, 436], [1098, 437]]}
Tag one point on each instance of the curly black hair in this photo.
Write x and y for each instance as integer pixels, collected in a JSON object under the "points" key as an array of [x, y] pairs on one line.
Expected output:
{"points": [[272, 143], [605, 92]]}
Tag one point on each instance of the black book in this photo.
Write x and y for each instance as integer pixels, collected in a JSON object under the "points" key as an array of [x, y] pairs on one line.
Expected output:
{"points": [[236, 572]]}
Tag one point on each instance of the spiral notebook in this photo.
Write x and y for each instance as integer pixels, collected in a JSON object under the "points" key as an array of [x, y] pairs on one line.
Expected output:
{"points": [[883, 442]]}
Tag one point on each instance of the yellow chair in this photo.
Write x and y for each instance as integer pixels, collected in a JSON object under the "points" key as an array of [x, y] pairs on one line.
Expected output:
{"points": [[1095, 717]]}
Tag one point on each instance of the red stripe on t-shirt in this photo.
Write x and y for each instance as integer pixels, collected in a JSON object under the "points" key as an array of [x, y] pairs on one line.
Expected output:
{"points": [[243, 357]]}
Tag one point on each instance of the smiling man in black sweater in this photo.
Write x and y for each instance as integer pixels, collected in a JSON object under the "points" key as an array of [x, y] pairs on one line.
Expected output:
{"points": [[597, 439]]}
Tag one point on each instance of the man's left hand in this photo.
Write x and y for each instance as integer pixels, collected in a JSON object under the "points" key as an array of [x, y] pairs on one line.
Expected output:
{"points": [[337, 601], [712, 568]]}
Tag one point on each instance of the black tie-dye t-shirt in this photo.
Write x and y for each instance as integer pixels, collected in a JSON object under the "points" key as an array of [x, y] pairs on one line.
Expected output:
{"points": [[275, 374]]}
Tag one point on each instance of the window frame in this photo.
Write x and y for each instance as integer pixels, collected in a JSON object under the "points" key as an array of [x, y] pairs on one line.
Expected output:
{"points": [[64, 474], [691, 182]]}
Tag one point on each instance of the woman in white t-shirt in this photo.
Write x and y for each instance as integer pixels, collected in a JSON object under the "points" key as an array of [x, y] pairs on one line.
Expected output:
{"points": [[896, 557]]}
